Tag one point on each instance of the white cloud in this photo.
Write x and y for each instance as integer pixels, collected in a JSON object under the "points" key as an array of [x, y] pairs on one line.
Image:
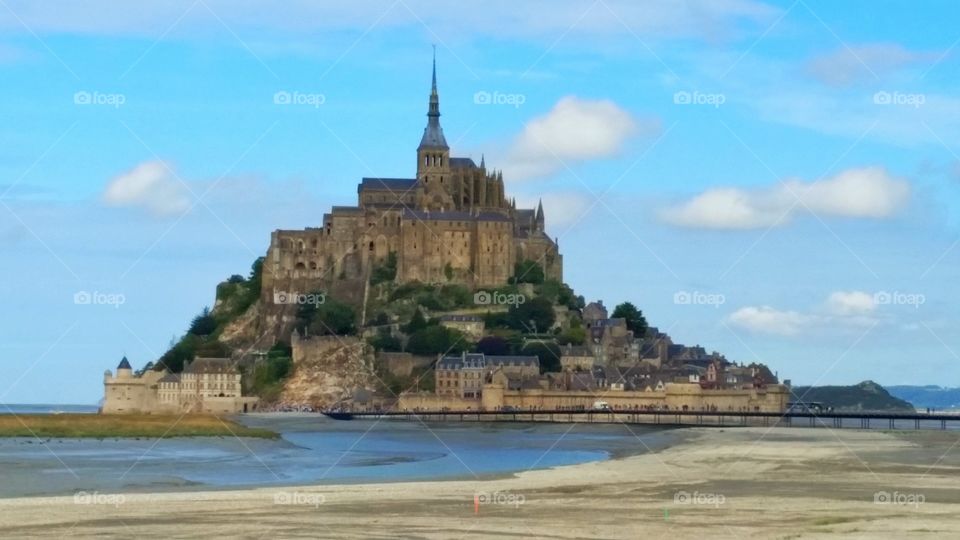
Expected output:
{"points": [[767, 320], [574, 130], [842, 310], [150, 185], [868, 192], [847, 66], [850, 303]]}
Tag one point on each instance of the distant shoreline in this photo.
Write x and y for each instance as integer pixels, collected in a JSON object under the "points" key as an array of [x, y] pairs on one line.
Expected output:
{"points": [[101, 426]]}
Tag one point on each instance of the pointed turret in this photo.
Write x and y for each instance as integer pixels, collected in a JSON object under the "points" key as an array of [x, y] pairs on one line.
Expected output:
{"points": [[433, 134], [538, 217], [124, 370]]}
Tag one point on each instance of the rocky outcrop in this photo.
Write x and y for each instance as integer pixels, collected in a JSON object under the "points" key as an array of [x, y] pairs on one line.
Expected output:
{"points": [[329, 371]]}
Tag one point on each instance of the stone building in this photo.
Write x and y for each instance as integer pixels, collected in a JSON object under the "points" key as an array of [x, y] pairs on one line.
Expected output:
{"points": [[576, 358], [463, 375], [128, 393], [207, 385], [451, 223]]}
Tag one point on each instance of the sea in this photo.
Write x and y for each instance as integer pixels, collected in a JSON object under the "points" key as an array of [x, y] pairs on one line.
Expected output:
{"points": [[313, 449]]}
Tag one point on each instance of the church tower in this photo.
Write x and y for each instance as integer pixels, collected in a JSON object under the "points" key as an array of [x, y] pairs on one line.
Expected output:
{"points": [[433, 158]]}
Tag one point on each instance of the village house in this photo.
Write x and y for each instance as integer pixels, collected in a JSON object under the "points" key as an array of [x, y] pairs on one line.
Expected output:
{"points": [[470, 325], [464, 375]]}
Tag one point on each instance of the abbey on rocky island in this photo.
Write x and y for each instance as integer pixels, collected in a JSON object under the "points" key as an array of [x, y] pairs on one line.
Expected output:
{"points": [[452, 223]]}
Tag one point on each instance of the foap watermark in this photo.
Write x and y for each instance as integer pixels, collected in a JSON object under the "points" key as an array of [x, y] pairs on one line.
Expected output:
{"points": [[698, 498], [696, 97], [308, 99], [299, 498], [899, 499], [899, 98], [496, 298], [897, 298], [500, 498], [97, 298], [697, 298], [499, 98], [299, 299], [99, 98], [95, 497]]}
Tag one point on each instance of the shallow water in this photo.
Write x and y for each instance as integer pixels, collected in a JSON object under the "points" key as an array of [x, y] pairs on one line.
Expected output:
{"points": [[313, 449]]}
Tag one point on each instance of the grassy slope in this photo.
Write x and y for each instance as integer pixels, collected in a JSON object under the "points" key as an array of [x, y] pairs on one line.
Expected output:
{"points": [[126, 425]]}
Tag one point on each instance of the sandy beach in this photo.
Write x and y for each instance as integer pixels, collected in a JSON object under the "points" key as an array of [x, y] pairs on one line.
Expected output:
{"points": [[730, 483]]}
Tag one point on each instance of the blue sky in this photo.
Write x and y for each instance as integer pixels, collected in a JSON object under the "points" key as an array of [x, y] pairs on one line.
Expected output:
{"points": [[791, 168]]}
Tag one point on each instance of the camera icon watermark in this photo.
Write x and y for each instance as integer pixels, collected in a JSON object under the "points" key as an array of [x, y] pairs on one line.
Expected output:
{"points": [[97, 298], [496, 298], [697, 498], [697, 298], [299, 498], [299, 299], [696, 97], [899, 499], [897, 298], [84, 97], [899, 98], [284, 97], [499, 98], [95, 497]]}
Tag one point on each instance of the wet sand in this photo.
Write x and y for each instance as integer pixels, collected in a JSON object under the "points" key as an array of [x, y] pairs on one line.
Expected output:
{"points": [[730, 483]]}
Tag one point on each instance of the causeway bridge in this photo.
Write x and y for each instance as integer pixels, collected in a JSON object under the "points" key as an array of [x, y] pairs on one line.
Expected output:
{"points": [[837, 420]]}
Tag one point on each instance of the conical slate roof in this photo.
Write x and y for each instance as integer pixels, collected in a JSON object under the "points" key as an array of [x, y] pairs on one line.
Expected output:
{"points": [[433, 133], [124, 364]]}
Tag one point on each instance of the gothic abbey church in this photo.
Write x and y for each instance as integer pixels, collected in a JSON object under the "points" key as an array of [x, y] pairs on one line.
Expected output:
{"points": [[451, 224]]}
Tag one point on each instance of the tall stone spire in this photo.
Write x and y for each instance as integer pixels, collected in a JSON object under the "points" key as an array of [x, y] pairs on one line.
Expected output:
{"points": [[433, 133]]}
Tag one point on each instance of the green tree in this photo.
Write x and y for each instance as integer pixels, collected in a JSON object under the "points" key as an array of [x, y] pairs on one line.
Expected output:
{"points": [[384, 341], [417, 322], [256, 276], [572, 336], [532, 316], [527, 272], [437, 340], [493, 346], [634, 317], [203, 324], [385, 272], [333, 318], [547, 352]]}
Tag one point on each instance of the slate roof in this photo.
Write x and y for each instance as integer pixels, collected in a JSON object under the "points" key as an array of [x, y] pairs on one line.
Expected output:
{"points": [[210, 365], [386, 184], [124, 364], [479, 360], [346, 210], [461, 318], [462, 162], [170, 378]]}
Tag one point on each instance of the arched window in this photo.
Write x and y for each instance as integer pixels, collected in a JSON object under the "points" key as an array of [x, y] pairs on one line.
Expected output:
{"points": [[371, 246]]}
